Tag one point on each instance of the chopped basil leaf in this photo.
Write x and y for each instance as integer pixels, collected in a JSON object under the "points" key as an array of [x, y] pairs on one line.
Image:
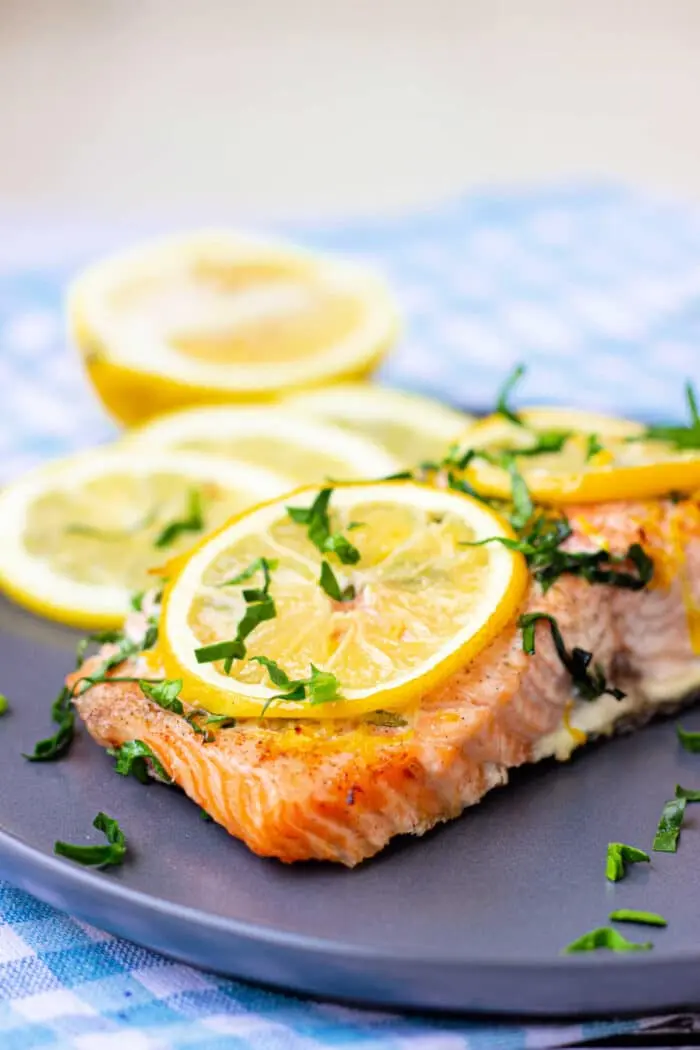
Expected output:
{"points": [[458, 484], [689, 739], [669, 829], [263, 565], [136, 600], [134, 757], [687, 437], [502, 406], [523, 507], [587, 684], [112, 853], [318, 525], [329, 582], [593, 447], [320, 687], [193, 521], [4, 705], [386, 719], [689, 794], [165, 693], [605, 937], [58, 745], [260, 607], [619, 856], [647, 918]]}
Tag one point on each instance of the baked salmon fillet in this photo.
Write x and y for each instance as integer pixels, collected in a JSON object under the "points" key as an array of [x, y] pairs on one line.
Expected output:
{"points": [[340, 790]]}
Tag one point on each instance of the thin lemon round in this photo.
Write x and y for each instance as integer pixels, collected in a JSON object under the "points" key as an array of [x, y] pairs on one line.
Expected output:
{"points": [[78, 537], [411, 427], [304, 449], [626, 466], [425, 601], [221, 316]]}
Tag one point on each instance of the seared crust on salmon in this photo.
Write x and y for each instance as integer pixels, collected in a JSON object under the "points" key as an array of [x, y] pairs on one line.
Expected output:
{"points": [[340, 791]]}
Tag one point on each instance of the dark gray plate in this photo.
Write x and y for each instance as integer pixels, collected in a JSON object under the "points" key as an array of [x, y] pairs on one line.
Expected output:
{"points": [[472, 917]]}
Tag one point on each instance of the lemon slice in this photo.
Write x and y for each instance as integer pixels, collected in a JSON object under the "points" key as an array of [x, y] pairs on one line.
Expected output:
{"points": [[78, 537], [213, 317], [419, 603], [621, 464], [306, 450], [411, 427]]}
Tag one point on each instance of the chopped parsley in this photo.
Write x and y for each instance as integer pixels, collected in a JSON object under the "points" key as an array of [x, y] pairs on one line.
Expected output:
{"points": [[502, 406], [134, 757], [193, 521], [593, 447], [689, 739], [646, 918], [111, 853], [200, 720], [606, 937], [260, 606], [165, 693], [328, 581], [670, 823], [587, 684], [319, 532], [619, 856], [4, 705], [689, 794], [58, 745]]}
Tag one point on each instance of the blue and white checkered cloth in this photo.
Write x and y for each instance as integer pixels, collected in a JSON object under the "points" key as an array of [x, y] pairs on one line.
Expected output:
{"points": [[596, 288]]}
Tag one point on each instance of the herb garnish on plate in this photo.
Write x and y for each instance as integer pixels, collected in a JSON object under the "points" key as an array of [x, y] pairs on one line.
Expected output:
{"points": [[111, 853], [619, 856]]}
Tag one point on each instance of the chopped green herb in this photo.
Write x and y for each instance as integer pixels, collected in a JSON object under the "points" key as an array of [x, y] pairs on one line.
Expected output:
{"points": [[458, 484], [669, 829], [687, 437], [321, 687], [606, 937], [260, 607], [546, 441], [58, 745], [619, 856], [689, 794], [593, 447], [165, 693], [263, 565], [541, 544], [319, 532], [587, 684], [523, 507], [329, 582], [689, 739], [134, 757], [203, 815], [136, 600], [4, 705], [193, 521], [110, 854], [386, 719], [502, 406], [111, 535], [647, 918]]}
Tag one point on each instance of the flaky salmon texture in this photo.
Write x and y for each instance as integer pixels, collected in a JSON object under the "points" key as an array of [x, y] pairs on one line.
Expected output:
{"points": [[340, 791]]}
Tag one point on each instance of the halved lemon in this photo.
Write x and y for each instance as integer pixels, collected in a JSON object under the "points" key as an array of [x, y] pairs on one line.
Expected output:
{"points": [[220, 316], [411, 427], [78, 537], [621, 463], [419, 601], [306, 450]]}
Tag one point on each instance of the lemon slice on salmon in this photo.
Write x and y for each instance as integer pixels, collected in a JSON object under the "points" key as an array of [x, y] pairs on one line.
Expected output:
{"points": [[411, 427], [357, 599], [212, 317], [566, 455], [306, 450], [78, 537]]}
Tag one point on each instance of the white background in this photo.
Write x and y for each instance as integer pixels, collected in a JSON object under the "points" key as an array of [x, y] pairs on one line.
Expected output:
{"points": [[136, 110]]}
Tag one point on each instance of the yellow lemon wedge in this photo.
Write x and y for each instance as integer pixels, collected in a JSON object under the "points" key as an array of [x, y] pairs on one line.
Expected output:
{"points": [[570, 456], [212, 317], [411, 427], [304, 449], [357, 599], [78, 537]]}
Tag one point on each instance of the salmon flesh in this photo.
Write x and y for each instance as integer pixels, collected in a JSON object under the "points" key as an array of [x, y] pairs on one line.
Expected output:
{"points": [[339, 791]]}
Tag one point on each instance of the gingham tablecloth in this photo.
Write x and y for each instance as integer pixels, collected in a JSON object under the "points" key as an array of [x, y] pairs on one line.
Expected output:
{"points": [[597, 288]]}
